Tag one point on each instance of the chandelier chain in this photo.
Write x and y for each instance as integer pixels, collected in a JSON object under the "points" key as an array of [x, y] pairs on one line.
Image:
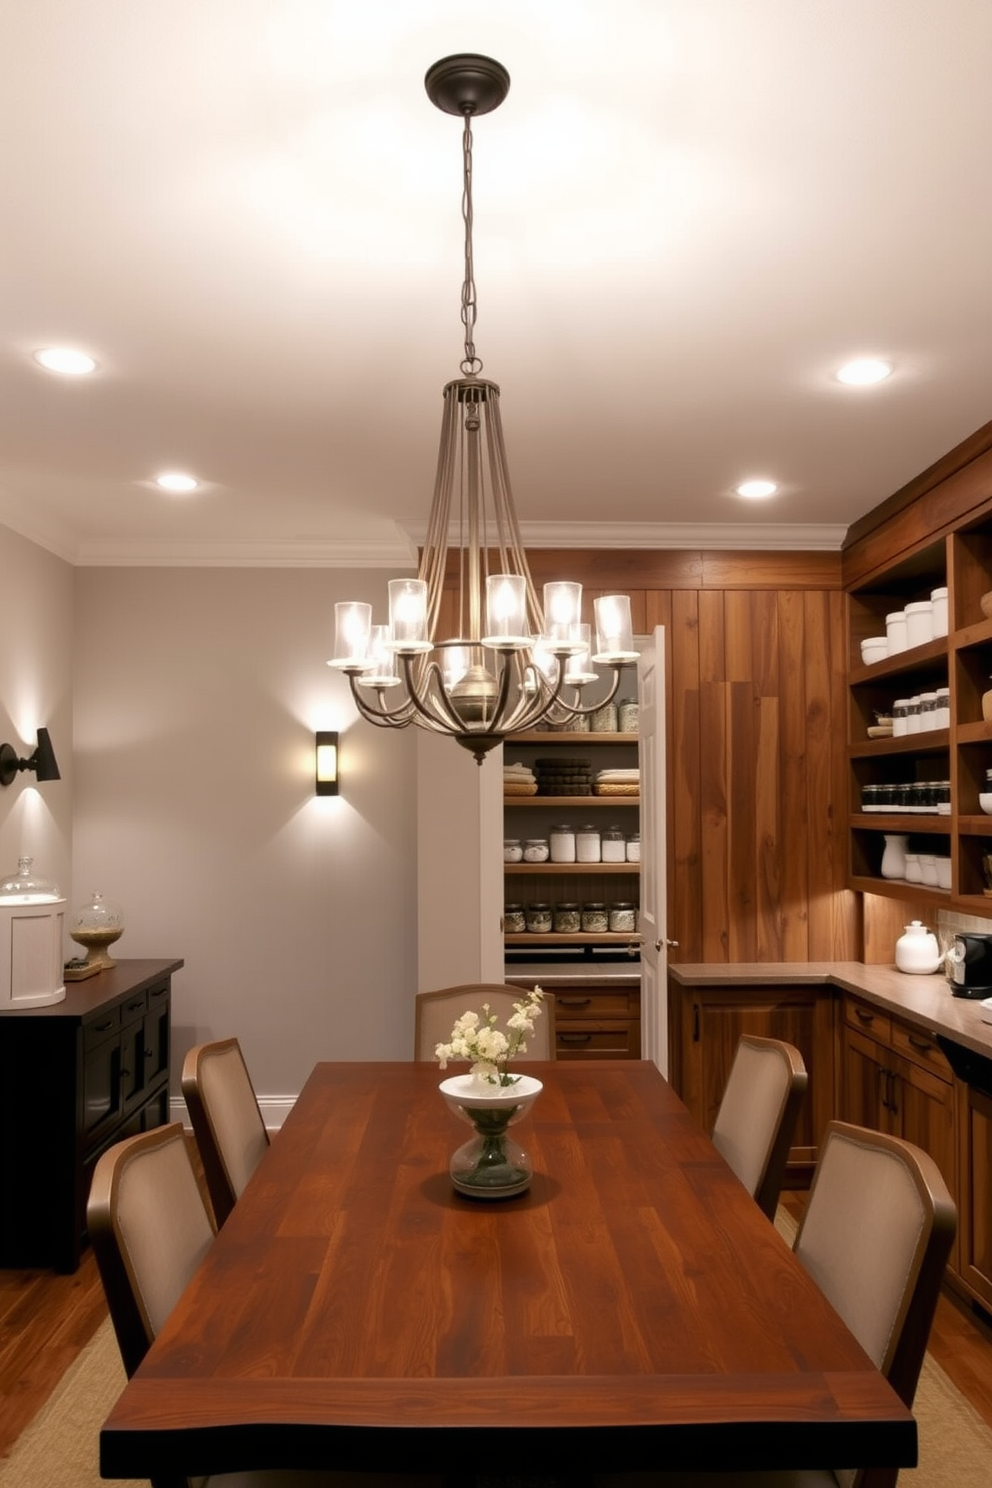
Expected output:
{"points": [[472, 364]]}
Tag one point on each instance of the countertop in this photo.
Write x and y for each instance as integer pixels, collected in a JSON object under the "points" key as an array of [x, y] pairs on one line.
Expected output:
{"points": [[578, 974], [924, 1001]]}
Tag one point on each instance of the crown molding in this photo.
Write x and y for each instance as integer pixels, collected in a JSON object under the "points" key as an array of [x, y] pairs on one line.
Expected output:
{"points": [[247, 554], [708, 536]]}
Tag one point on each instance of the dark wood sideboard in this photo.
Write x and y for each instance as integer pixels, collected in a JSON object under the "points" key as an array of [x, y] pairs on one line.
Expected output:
{"points": [[75, 1078]]}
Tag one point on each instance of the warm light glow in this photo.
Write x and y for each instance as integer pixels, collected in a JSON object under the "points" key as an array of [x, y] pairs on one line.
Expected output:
{"points": [[454, 665], [326, 763], [579, 668], [382, 663], [756, 489], [177, 482], [562, 608], [352, 624], [614, 630], [864, 371], [506, 611], [408, 615], [63, 359]]}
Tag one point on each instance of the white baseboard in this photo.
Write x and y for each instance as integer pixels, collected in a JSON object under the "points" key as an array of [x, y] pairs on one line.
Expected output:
{"points": [[274, 1109]]}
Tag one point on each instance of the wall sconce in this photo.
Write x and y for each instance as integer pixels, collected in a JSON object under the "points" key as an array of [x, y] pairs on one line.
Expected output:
{"points": [[42, 762], [327, 762]]}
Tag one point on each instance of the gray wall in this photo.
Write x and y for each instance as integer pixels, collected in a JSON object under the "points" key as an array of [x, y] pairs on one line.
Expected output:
{"points": [[196, 696], [36, 655]]}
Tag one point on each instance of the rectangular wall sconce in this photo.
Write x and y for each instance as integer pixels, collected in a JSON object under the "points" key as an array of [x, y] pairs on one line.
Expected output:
{"points": [[327, 762]]}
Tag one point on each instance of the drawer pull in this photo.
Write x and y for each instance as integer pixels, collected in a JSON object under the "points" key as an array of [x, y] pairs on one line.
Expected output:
{"points": [[574, 1038], [572, 1002], [136, 1007], [863, 1016], [102, 1027], [924, 1045]]}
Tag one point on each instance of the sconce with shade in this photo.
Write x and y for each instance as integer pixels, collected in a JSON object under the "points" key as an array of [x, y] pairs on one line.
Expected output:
{"points": [[326, 752], [42, 762]]}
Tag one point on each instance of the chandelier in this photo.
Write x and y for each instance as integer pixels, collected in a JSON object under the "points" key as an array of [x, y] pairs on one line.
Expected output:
{"points": [[510, 663]]}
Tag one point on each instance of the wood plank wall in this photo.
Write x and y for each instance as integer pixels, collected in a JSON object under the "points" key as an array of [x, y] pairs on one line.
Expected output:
{"points": [[757, 733]]}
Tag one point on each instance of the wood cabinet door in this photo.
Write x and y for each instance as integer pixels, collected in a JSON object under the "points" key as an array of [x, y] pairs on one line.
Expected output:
{"points": [[975, 1233], [712, 1022], [866, 1082]]}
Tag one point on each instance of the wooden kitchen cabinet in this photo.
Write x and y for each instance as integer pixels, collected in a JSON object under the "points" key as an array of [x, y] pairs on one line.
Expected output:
{"points": [[706, 1024], [895, 1078], [597, 1022], [75, 1077]]}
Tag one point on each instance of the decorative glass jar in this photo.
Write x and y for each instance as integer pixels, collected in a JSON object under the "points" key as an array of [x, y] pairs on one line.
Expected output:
{"points": [[96, 925]]}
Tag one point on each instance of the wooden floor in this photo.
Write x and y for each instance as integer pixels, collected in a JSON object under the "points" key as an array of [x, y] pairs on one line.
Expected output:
{"points": [[46, 1319]]}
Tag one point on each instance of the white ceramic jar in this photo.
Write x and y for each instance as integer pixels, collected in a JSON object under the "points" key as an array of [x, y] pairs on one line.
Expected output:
{"points": [[896, 632], [917, 951], [919, 622], [938, 598]]}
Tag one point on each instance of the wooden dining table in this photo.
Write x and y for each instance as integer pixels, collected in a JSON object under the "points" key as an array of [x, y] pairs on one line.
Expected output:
{"points": [[633, 1309]]}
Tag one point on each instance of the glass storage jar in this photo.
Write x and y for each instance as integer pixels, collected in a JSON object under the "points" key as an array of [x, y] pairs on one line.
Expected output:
{"points": [[566, 919], [595, 919], [587, 847], [514, 922], [613, 846], [537, 918], [604, 720], [633, 847], [512, 850], [563, 843], [627, 715], [623, 917], [536, 850]]}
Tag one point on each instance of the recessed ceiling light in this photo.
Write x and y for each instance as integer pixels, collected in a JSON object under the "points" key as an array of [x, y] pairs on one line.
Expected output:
{"points": [[64, 359], [864, 371], [755, 489], [174, 480]]}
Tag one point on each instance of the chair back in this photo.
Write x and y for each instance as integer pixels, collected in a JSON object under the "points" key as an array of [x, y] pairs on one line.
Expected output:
{"points": [[875, 1236], [757, 1116], [150, 1229], [227, 1122], [436, 1013]]}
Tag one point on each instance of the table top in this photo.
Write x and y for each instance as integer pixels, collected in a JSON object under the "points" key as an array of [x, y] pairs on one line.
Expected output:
{"points": [[635, 1306]]}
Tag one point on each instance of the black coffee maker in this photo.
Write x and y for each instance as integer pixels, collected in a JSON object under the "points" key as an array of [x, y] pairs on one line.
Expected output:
{"points": [[970, 962]]}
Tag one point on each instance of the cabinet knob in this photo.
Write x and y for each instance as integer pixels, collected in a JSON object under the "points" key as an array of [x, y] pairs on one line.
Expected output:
{"points": [[672, 945]]}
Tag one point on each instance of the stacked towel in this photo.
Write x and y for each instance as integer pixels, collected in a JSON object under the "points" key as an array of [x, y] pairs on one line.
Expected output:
{"points": [[559, 776], [617, 782], [519, 780]]}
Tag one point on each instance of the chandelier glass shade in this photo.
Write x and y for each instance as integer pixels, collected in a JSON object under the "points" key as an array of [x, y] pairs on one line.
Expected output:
{"points": [[510, 661]]}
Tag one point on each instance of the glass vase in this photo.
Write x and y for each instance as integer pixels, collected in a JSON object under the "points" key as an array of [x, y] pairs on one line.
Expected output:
{"points": [[492, 1164]]}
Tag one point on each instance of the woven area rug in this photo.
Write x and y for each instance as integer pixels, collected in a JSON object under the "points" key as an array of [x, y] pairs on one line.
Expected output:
{"points": [[59, 1448]]}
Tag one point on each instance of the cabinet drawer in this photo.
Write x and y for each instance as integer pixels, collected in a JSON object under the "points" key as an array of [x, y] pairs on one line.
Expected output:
{"points": [[575, 1004], [603, 1041], [868, 1019], [107, 1025], [920, 1048], [133, 1007]]}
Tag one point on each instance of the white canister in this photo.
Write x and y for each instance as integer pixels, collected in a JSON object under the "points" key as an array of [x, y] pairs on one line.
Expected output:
{"points": [[942, 716], [874, 648], [917, 950], [896, 631], [563, 844], [928, 868], [900, 717], [938, 598], [919, 623]]}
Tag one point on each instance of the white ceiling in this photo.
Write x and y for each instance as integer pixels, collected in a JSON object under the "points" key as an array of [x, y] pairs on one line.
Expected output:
{"points": [[688, 214]]}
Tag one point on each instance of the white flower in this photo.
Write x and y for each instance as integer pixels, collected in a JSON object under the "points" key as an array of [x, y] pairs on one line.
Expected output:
{"points": [[488, 1048]]}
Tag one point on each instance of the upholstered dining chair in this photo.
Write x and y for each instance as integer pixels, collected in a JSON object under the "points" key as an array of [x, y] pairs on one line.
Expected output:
{"points": [[875, 1236], [757, 1116], [436, 1012], [227, 1122], [150, 1229]]}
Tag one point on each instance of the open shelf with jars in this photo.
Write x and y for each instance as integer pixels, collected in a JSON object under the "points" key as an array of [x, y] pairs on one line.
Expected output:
{"points": [[925, 781], [559, 891]]}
